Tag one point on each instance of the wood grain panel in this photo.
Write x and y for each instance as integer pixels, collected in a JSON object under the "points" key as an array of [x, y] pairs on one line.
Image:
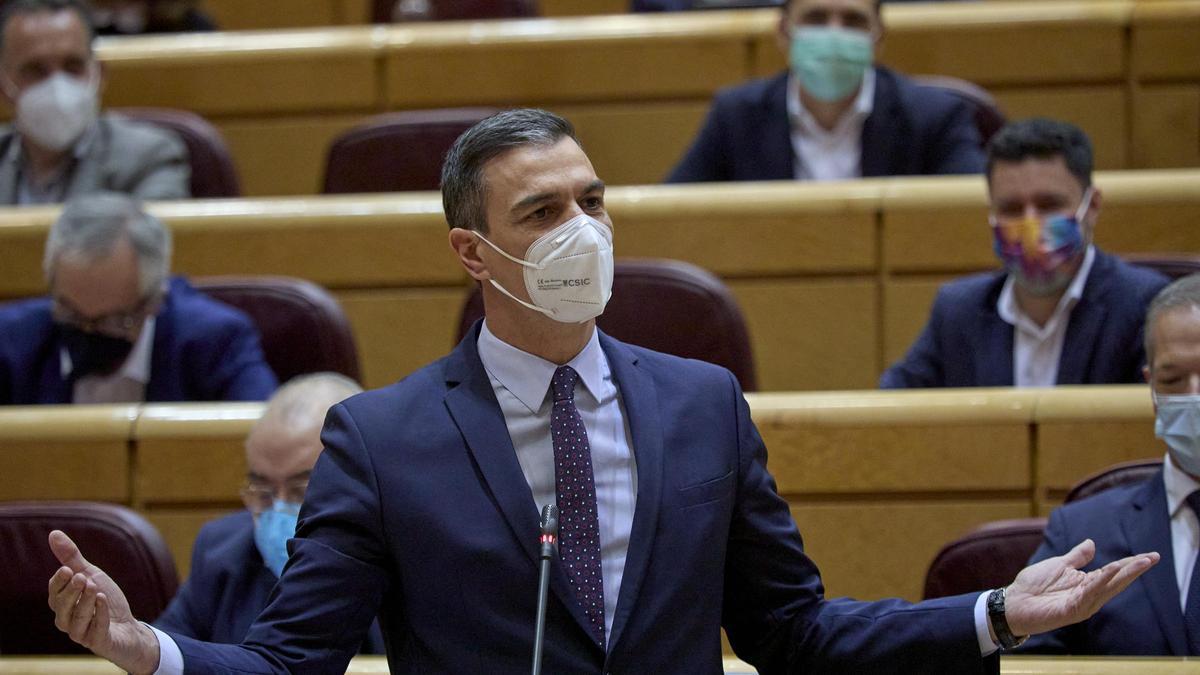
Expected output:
{"points": [[65, 469], [399, 331], [1166, 126], [192, 452], [938, 225], [883, 549], [907, 303], [179, 528], [811, 334], [243, 15], [1166, 40], [1099, 110], [283, 156], [582, 7]]}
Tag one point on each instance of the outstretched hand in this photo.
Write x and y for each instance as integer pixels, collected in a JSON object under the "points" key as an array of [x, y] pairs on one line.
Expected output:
{"points": [[90, 608], [1055, 593]]}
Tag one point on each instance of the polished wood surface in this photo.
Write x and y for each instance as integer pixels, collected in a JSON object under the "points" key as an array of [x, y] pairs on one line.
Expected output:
{"points": [[1117, 68]]}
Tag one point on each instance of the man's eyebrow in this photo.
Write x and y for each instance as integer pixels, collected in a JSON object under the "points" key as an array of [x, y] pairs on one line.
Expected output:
{"points": [[532, 200], [594, 186], [303, 475]]}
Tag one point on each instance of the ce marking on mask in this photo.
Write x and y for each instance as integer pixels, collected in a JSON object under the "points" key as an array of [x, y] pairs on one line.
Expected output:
{"points": [[558, 284]]}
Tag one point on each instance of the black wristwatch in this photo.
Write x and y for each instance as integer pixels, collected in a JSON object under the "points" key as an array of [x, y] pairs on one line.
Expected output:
{"points": [[995, 609]]}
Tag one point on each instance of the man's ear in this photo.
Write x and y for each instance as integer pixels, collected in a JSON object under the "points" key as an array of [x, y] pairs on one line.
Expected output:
{"points": [[1146, 374], [466, 247], [783, 36]]}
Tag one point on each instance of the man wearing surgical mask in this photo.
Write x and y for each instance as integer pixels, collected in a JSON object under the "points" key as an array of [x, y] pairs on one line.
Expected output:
{"points": [[1060, 311], [833, 114], [59, 145], [1161, 614], [237, 559]]}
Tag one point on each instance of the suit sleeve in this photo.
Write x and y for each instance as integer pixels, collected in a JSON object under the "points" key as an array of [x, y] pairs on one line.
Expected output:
{"points": [[163, 171], [922, 365], [775, 613], [238, 371], [705, 159], [954, 146], [1055, 542], [184, 616], [335, 578]]}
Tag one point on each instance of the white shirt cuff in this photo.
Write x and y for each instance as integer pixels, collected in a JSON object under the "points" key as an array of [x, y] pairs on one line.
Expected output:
{"points": [[170, 659], [986, 644]]}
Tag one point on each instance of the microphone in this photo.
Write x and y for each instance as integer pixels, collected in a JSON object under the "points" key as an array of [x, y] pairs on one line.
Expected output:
{"points": [[549, 535]]}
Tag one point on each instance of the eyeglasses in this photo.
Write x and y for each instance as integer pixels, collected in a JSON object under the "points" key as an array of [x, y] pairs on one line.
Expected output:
{"points": [[259, 497], [114, 324]]}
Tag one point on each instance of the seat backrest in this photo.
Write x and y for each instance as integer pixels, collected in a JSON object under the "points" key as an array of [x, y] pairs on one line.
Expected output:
{"points": [[1125, 473], [989, 118], [989, 556], [213, 172], [113, 537], [668, 306], [1171, 265], [397, 151], [385, 11], [303, 328]]}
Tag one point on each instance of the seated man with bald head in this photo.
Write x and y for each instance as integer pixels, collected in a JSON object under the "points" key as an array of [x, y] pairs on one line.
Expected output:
{"points": [[116, 328], [236, 560]]}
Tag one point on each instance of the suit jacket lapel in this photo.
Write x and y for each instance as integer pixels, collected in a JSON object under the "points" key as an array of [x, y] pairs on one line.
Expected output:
{"points": [[993, 347], [473, 406], [776, 154], [1084, 327], [640, 401], [883, 136], [1147, 527], [8, 170]]}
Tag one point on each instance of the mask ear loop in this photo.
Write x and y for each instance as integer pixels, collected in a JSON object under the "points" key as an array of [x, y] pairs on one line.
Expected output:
{"points": [[504, 290]]}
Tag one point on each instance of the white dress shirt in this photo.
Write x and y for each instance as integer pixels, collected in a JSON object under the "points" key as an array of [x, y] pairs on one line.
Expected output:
{"points": [[834, 154], [1185, 526], [1038, 349], [126, 385]]}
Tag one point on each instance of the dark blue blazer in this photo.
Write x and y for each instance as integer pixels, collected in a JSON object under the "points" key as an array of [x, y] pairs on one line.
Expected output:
{"points": [[418, 512], [1145, 619], [203, 351], [967, 344], [912, 130], [659, 5], [228, 586]]}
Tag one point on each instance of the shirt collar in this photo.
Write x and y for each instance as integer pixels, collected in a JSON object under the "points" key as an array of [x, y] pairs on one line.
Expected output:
{"points": [[1011, 312], [1179, 485], [803, 121], [137, 364], [528, 376], [16, 151]]}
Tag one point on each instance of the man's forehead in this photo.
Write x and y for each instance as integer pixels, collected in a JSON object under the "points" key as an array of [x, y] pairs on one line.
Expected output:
{"points": [[32, 29], [518, 172], [1033, 174]]}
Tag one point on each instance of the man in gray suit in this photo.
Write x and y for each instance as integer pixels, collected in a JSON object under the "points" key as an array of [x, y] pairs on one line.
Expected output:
{"points": [[59, 146]]}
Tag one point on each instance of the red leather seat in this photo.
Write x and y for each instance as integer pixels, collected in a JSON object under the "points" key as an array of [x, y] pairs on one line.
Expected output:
{"points": [[1172, 265], [397, 151], [668, 306], [303, 328], [1125, 473], [117, 539], [989, 556], [213, 172], [988, 116], [386, 11]]}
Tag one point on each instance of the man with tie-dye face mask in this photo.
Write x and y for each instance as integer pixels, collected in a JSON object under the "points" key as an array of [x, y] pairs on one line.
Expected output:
{"points": [[1060, 311]]}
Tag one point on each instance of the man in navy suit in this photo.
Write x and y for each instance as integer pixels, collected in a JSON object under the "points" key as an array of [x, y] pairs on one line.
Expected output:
{"points": [[834, 115], [1160, 615], [1061, 311], [115, 327], [423, 507], [237, 559]]}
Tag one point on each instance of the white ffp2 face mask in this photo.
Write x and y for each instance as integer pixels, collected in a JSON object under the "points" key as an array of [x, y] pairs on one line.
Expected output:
{"points": [[55, 112], [1177, 423], [568, 270]]}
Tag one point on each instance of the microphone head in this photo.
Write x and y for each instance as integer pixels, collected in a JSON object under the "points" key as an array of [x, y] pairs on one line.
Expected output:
{"points": [[550, 520]]}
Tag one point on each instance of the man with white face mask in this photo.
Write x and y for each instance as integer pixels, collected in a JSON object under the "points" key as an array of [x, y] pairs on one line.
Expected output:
{"points": [[1160, 615], [1061, 311], [834, 114], [59, 145]]}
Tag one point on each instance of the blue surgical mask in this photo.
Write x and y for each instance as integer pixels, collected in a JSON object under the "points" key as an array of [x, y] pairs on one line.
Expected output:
{"points": [[1177, 423], [830, 62], [272, 529]]}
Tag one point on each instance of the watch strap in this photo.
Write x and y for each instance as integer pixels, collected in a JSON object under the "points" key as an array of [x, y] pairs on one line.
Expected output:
{"points": [[996, 614]]}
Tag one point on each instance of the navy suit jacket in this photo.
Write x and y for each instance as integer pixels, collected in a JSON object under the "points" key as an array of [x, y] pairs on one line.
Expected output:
{"points": [[418, 511], [203, 351], [967, 344], [228, 586], [1145, 619], [912, 130]]}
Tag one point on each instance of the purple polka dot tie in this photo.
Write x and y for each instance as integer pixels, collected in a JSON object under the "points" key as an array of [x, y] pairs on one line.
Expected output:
{"points": [[578, 525]]}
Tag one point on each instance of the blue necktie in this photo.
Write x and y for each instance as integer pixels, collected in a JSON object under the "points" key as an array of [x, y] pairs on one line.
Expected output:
{"points": [[575, 491], [1191, 611]]}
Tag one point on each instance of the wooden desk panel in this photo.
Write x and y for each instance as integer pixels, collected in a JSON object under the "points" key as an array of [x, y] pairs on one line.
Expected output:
{"points": [[192, 452], [283, 155], [1101, 111], [907, 302], [582, 7], [65, 452], [1165, 43], [1166, 128], [259, 14], [179, 528]]}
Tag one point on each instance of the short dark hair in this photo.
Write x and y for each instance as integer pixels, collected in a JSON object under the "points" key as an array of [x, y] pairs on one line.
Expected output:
{"points": [[13, 8], [1043, 138], [463, 188], [1180, 294]]}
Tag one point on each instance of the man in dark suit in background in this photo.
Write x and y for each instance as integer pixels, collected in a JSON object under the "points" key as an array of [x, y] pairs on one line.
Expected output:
{"points": [[1061, 311], [116, 328], [237, 559], [833, 115], [423, 507], [1160, 613]]}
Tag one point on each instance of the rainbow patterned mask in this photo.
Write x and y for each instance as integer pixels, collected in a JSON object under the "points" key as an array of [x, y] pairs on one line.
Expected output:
{"points": [[1034, 249]]}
